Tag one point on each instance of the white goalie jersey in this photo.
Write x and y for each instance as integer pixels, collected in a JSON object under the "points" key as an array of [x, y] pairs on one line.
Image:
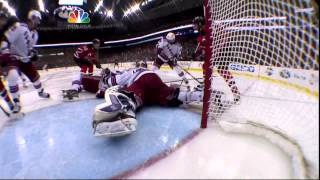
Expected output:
{"points": [[122, 79], [167, 51]]}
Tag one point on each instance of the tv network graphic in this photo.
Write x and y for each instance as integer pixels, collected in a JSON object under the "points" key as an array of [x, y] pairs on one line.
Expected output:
{"points": [[79, 17]]}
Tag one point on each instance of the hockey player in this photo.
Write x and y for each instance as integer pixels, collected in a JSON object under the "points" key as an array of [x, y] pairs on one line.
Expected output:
{"points": [[85, 57], [169, 51], [198, 25], [222, 67], [5, 23], [18, 41], [130, 91]]}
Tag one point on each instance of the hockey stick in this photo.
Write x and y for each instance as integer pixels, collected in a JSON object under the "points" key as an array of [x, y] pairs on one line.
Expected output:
{"points": [[194, 78], [180, 80], [5, 112]]}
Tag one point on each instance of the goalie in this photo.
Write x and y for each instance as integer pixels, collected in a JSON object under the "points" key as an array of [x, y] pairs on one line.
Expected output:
{"points": [[116, 117]]}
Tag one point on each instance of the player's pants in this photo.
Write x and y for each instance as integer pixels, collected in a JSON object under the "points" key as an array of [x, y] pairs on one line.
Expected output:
{"points": [[85, 66], [150, 90], [13, 76]]}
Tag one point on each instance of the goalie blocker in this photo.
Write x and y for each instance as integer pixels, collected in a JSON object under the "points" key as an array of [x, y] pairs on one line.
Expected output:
{"points": [[116, 117]]}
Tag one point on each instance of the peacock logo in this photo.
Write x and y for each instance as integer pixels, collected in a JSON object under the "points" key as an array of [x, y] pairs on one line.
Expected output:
{"points": [[79, 17]]}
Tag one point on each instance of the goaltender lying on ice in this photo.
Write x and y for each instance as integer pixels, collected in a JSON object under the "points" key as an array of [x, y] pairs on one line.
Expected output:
{"points": [[116, 117]]}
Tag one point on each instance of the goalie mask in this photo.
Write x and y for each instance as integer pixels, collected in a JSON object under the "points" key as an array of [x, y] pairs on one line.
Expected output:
{"points": [[141, 64]]}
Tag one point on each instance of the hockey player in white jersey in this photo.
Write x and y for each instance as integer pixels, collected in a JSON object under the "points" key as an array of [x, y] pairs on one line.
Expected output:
{"points": [[132, 90], [18, 41], [169, 52]]}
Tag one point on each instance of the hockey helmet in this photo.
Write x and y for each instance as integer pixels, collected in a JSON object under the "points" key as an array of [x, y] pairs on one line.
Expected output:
{"points": [[142, 64], [105, 72], [35, 16], [96, 43], [171, 37], [198, 22]]}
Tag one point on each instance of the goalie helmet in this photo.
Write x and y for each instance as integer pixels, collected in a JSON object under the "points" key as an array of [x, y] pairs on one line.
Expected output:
{"points": [[142, 64], [171, 37]]}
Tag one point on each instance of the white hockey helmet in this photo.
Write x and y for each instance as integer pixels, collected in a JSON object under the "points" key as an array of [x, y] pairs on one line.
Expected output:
{"points": [[34, 16], [171, 37]]}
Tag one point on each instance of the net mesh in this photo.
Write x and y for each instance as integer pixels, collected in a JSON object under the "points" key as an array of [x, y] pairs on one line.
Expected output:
{"points": [[267, 51]]}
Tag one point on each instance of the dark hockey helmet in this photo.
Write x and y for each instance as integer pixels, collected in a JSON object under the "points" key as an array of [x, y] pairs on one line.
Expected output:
{"points": [[105, 72], [198, 21], [96, 43]]}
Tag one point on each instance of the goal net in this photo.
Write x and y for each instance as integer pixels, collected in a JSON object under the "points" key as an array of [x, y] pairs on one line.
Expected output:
{"points": [[268, 52]]}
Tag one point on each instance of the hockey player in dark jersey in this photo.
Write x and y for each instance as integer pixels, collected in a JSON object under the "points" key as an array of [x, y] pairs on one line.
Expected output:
{"points": [[222, 66]]}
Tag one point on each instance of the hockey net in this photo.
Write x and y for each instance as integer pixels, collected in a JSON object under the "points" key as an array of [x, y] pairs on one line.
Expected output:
{"points": [[271, 50]]}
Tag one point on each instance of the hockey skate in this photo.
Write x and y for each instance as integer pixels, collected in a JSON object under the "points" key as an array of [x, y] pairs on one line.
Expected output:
{"points": [[43, 94], [14, 113], [70, 94]]}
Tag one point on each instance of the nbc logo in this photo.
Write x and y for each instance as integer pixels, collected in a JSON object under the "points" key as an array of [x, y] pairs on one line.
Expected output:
{"points": [[79, 16]]}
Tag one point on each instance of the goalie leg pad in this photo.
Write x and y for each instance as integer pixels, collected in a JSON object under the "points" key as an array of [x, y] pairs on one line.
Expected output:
{"points": [[115, 117], [116, 128]]}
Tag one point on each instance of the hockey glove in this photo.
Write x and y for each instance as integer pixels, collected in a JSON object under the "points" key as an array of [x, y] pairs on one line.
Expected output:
{"points": [[98, 66], [34, 55]]}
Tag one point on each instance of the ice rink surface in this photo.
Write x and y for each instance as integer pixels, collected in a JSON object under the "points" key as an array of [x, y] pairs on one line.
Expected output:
{"points": [[54, 140]]}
